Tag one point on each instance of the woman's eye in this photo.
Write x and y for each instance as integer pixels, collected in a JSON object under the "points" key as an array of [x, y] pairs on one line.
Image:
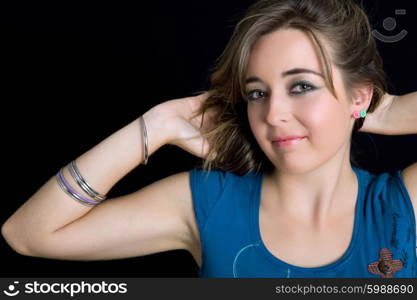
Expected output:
{"points": [[302, 87], [255, 95], [298, 88]]}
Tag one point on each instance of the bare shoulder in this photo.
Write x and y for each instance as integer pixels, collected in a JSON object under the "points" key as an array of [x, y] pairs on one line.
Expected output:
{"points": [[410, 180]]}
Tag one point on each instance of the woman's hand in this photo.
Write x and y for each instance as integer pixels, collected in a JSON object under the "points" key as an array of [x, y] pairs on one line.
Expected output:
{"points": [[375, 121], [396, 115], [185, 131]]}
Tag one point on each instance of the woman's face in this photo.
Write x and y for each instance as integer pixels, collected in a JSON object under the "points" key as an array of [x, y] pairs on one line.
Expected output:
{"points": [[284, 101]]}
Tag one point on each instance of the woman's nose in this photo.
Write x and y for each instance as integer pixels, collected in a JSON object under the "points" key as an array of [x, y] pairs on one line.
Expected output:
{"points": [[277, 110]]}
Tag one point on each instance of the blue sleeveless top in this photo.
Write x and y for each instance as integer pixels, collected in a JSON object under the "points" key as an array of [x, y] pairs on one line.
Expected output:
{"points": [[226, 206]]}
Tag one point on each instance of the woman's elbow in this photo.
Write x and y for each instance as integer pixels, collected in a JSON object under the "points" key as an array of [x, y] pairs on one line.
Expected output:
{"points": [[13, 240]]}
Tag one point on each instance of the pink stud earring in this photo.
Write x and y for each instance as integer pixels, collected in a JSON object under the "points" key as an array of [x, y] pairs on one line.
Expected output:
{"points": [[361, 114]]}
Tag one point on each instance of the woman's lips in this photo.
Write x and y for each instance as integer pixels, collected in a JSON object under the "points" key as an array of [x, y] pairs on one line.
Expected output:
{"points": [[288, 141]]}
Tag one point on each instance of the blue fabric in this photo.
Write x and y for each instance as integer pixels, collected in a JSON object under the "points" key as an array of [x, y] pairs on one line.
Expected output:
{"points": [[227, 208]]}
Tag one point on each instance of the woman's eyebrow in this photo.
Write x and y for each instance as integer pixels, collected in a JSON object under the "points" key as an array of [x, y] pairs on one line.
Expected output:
{"points": [[300, 70], [285, 73]]}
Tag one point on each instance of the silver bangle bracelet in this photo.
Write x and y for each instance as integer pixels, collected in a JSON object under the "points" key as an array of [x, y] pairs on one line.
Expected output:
{"points": [[75, 173], [71, 192], [145, 141]]}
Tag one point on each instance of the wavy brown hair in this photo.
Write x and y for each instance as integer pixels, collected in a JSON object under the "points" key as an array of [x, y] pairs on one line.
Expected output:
{"points": [[345, 27]]}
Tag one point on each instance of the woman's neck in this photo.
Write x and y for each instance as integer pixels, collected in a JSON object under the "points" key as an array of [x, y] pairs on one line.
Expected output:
{"points": [[317, 197]]}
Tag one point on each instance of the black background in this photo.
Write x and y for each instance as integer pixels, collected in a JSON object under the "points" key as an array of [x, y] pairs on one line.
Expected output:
{"points": [[75, 72]]}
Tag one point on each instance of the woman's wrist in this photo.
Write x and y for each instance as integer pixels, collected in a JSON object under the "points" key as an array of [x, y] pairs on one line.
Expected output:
{"points": [[375, 121], [158, 129]]}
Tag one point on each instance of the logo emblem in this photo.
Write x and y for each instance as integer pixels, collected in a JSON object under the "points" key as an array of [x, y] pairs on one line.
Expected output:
{"points": [[389, 24], [11, 291]]}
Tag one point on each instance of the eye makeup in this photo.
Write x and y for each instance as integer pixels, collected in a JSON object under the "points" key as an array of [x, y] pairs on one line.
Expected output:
{"points": [[305, 86], [297, 88]]}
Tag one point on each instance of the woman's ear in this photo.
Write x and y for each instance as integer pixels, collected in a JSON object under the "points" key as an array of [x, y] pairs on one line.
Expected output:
{"points": [[362, 97]]}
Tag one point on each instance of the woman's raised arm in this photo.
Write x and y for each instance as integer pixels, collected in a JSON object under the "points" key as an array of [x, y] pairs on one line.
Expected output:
{"points": [[52, 224], [395, 116]]}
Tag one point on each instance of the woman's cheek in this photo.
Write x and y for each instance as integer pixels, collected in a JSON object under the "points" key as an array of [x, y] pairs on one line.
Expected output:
{"points": [[314, 117], [325, 120]]}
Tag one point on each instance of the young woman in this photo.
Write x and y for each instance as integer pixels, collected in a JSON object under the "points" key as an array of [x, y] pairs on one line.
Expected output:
{"points": [[277, 195]]}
